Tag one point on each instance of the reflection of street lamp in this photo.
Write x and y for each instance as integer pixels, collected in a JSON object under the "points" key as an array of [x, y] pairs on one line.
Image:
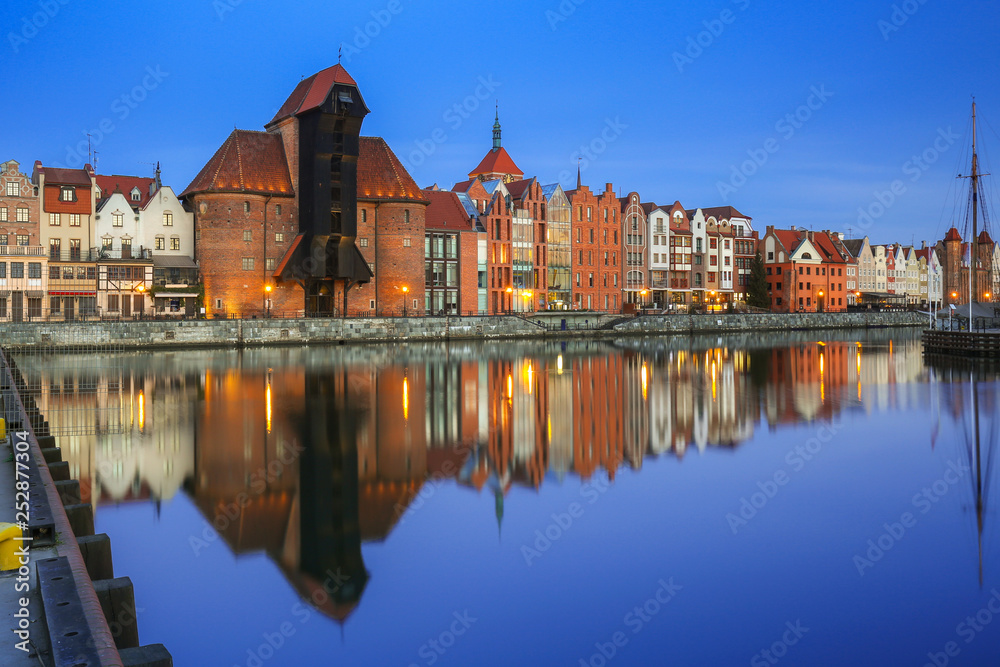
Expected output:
{"points": [[267, 298]]}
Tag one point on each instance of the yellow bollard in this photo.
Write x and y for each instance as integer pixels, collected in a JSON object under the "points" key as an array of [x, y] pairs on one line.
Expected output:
{"points": [[9, 532], [3, 429]]}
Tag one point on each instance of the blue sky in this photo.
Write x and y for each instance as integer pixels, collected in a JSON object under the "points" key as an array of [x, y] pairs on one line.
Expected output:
{"points": [[669, 97]]}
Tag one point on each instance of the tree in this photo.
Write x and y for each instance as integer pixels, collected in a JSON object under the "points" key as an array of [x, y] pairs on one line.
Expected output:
{"points": [[757, 288]]}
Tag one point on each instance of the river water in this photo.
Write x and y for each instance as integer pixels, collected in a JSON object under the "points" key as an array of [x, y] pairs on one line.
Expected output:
{"points": [[808, 498]]}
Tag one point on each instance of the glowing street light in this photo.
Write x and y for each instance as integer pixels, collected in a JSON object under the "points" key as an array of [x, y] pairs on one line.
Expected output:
{"points": [[267, 292]]}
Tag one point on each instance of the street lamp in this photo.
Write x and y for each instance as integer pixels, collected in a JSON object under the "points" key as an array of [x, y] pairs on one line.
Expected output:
{"points": [[510, 290], [819, 304], [406, 291], [267, 298]]}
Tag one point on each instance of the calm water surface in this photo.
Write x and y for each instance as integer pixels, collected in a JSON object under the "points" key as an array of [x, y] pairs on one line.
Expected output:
{"points": [[660, 501]]}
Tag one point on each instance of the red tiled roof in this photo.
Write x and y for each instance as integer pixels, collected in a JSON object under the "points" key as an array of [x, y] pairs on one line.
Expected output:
{"points": [[125, 184], [497, 162], [313, 91], [829, 249], [984, 237], [446, 212], [381, 175], [953, 235], [517, 188], [248, 161], [789, 239]]}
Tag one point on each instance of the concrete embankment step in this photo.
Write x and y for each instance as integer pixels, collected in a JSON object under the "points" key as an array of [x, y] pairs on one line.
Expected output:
{"points": [[76, 588]]}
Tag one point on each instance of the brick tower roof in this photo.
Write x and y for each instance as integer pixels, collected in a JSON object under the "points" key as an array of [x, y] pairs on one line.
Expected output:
{"points": [[382, 176], [497, 162], [313, 91], [248, 161]]}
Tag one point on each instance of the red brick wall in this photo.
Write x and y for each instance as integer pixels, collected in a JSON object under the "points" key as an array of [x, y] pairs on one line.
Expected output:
{"points": [[220, 221], [593, 253], [499, 260], [468, 266], [395, 265]]}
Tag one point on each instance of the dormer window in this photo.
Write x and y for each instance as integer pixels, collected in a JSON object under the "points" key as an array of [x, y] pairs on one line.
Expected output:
{"points": [[136, 194], [67, 193]]}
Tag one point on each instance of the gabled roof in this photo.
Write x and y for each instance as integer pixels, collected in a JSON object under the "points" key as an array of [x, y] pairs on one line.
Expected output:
{"points": [[854, 246], [497, 162], [826, 245], [381, 176], [548, 191], [953, 235], [313, 91], [789, 239], [146, 186], [249, 162], [518, 188], [446, 211], [984, 237]]}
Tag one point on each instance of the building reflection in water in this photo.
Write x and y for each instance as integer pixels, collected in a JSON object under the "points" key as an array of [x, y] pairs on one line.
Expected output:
{"points": [[306, 454]]}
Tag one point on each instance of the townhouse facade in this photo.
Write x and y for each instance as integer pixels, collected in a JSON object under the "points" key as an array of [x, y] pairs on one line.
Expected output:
{"points": [[21, 252], [805, 270]]}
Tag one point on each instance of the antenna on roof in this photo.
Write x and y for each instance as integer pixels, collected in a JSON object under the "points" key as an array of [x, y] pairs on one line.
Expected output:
{"points": [[850, 232], [90, 153], [340, 53]]}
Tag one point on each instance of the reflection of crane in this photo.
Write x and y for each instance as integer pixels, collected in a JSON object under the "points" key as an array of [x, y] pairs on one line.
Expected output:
{"points": [[980, 479]]}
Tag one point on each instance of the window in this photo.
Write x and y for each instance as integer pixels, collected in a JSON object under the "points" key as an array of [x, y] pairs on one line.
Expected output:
{"points": [[247, 235], [406, 241], [74, 219], [54, 219], [67, 193], [74, 249], [22, 214], [175, 243], [34, 270], [770, 256], [590, 212], [55, 247], [590, 279], [279, 237], [17, 269], [55, 303], [113, 303], [246, 207], [713, 243], [3, 239], [117, 219], [160, 243], [248, 263], [106, 243], [53, 272], [3, 214], [168, 219], [277, 210], [697, 245], [136, 194], [363, 242], [12, 189], [269, 263], [3, 269]]}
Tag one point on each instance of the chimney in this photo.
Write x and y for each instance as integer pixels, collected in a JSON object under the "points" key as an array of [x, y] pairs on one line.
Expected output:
{"points": [[608, 188]]}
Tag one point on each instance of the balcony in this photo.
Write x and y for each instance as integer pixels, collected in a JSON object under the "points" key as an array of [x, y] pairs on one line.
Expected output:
{"points": [[679, 283], [92, 254], [22, 251]]}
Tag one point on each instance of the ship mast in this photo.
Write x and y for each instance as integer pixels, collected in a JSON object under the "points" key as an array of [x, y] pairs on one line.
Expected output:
{"points": [[974, 247]]}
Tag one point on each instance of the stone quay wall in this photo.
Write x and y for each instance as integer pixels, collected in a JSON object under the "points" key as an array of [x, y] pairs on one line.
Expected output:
{"points": [[306, 331]]}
